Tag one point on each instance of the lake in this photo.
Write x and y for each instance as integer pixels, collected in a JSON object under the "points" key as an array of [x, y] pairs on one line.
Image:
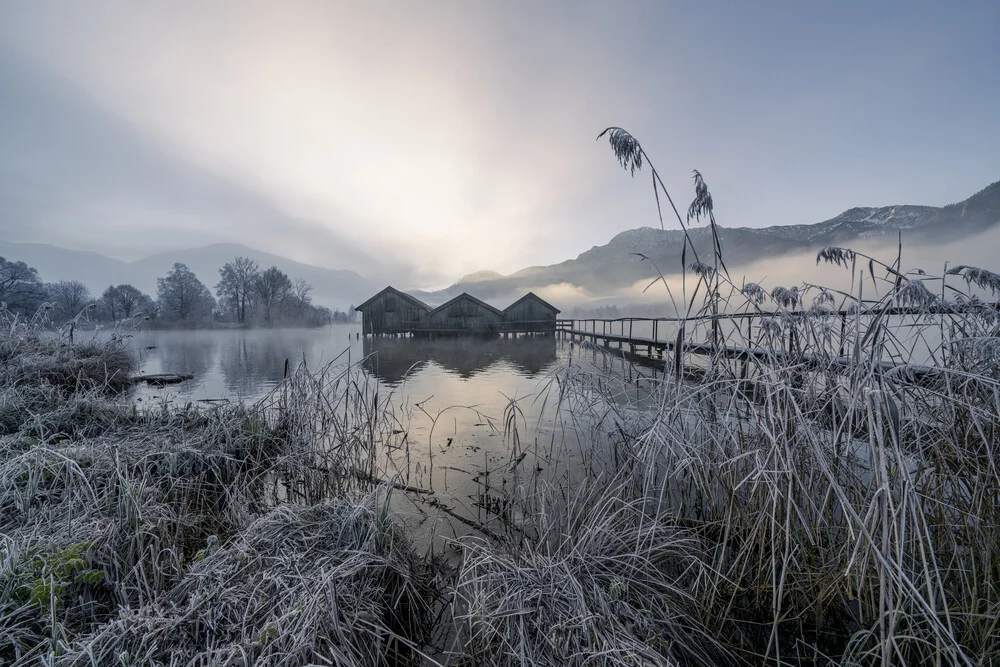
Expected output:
{"points": [[451, 396]]}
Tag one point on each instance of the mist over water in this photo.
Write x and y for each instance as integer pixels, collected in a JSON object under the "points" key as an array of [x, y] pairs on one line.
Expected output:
{"points": [[247, 364], [454, 398]]}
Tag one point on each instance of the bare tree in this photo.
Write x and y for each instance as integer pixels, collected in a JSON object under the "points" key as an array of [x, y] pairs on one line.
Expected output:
{"points": [[182, 296], [301, 295], [273, 288], [131, 300], [20, 287], [302, 290], [125, 301], [237, 283], [70, 297], [110, 303]]}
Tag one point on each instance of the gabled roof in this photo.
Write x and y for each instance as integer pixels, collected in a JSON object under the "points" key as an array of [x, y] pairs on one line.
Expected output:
{"points": [[392, 290], [466, 295], [537, 298]]}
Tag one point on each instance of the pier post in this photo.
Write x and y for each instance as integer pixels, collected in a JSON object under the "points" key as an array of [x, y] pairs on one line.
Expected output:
{"points": [[843, 331], [746, 359]]}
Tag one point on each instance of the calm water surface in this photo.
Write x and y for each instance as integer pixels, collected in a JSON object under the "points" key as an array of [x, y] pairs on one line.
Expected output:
{"points": [[451, 396], [240, 364]]}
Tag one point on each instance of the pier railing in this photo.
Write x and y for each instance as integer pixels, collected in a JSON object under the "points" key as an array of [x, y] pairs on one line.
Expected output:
{"points": [[651, 338]]}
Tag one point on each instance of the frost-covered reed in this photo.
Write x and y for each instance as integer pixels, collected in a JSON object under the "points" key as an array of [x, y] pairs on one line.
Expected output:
{"points": [[235, 534], [831, 498]]}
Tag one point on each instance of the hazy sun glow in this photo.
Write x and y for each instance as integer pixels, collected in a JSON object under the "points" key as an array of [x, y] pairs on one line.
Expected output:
{"points": [[421, 141]]}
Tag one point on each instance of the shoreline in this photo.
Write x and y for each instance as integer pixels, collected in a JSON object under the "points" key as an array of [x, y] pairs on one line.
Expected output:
{"points": [[131, 530]]}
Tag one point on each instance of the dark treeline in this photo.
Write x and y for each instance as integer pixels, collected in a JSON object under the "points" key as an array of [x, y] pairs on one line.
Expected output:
{"points": [[244, 295]]}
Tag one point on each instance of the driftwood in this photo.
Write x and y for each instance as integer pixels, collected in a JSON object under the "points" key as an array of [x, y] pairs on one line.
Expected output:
{"points": [[160, 379]]}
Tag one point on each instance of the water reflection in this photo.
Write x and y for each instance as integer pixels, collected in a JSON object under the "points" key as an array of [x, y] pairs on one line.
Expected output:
{"points": [[251, 363], [236, 363], [248, 364], [457, 444], [178, 355], [393, 359], [242, 367]]}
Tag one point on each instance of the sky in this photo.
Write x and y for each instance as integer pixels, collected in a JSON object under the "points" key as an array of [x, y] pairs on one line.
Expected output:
{"points": [[415, 142]]}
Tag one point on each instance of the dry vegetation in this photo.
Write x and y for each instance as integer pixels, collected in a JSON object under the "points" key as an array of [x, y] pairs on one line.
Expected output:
{"points": [[833, 498], [226, 535]]}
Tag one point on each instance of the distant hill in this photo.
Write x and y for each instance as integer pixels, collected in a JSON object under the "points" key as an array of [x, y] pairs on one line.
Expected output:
{"points": [[600, 270], [612, 266], [54, 263], [332, 288], [480, 276]]}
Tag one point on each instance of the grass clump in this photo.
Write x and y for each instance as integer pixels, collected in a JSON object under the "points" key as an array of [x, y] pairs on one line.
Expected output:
{"points": [[336, 580], [224, 534], [32, 355], [602, 582]]}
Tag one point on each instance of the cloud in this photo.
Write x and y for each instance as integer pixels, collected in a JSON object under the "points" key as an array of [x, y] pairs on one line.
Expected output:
{"points": [[666, 296], [931, 258], [449, 138], [77, 175], [413, 133]]}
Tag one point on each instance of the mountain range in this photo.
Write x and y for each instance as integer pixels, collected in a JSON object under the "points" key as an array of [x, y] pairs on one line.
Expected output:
{"points": [[332, 288], [599, 271], [616, 265]]}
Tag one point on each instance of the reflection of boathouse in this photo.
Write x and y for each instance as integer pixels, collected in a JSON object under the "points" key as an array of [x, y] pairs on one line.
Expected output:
{"points": [[391, 312], [391, 360]]}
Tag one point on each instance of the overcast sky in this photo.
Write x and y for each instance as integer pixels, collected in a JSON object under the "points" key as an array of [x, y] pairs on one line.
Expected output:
{"points": [[419, 141]]}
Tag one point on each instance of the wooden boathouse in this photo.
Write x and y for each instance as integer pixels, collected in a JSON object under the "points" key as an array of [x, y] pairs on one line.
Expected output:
{"points": [[392, 313], [465, 314], [531, 313]]}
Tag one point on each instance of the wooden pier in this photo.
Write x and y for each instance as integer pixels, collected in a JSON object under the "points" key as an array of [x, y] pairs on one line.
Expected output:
{"points": [[658, 341], [651, 350], [765, 338]]}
